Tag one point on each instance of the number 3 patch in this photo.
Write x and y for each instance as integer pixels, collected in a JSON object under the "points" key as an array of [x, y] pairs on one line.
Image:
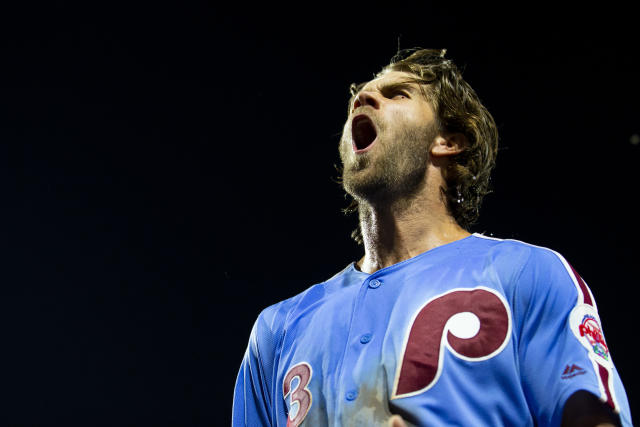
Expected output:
{"points": [[295, 385]]}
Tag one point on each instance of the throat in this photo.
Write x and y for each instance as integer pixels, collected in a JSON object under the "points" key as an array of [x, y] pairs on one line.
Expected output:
{"points": [[390, 240]]}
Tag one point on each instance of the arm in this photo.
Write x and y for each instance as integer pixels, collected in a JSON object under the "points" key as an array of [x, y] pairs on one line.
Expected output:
{"points": [[252, 404], [583, 409], [249, 403], [566, 367]]}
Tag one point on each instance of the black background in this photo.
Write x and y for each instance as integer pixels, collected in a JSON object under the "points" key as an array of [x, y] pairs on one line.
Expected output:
{"points": [[167, 171]]}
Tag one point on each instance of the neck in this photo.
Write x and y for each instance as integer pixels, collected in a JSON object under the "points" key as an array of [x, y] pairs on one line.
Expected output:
{"points": [[403, 229]]}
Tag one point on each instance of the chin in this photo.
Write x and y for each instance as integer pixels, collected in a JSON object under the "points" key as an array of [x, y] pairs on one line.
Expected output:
{"points": [[363, 186]]}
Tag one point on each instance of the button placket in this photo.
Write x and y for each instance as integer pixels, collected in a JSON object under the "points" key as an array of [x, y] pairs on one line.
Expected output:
{"points": [[351, 392]]}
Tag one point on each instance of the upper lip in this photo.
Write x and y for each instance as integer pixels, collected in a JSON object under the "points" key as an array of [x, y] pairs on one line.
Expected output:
{"points": [[362, 116], [359, 116]]}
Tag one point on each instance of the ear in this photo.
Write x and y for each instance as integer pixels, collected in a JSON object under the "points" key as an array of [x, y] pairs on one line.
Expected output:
{"points": [[448, 144]]}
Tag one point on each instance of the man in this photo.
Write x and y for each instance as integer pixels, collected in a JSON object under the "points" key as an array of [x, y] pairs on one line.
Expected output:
{"points": [[433, 325]]}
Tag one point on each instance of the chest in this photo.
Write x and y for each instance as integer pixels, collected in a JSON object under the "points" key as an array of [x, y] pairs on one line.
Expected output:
{"points": [[392, 339]]}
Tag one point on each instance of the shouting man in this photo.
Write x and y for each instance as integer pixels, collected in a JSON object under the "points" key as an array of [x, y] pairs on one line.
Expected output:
{"points": [[433, 326]]}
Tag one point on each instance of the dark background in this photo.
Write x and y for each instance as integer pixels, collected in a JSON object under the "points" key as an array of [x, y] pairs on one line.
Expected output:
{"points": [[167, 171]]}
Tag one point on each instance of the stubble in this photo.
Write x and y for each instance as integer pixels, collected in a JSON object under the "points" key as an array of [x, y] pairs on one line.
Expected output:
{"points": [[394, 169]]}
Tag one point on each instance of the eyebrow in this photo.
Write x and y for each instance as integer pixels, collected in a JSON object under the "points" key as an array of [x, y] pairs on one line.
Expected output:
{"points": [[408, 85]]}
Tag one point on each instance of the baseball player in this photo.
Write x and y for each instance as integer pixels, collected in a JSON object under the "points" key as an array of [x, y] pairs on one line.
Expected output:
{"points": [[433, 326]]}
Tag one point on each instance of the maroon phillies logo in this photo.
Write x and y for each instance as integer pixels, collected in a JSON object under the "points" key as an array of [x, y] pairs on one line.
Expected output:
{"points": [[473, 324]]}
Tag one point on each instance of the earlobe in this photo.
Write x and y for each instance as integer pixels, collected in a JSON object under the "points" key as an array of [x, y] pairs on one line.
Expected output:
{"points": [[448, 144]]}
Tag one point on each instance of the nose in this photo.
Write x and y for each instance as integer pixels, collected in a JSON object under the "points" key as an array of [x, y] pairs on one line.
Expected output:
{"points": [[366, 98]]}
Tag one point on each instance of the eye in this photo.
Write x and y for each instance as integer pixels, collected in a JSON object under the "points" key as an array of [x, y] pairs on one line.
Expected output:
{"points": [[400, 94]]}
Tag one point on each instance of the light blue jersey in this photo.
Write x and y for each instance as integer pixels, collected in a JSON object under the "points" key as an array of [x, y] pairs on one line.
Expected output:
{"points": [[477, 332]]}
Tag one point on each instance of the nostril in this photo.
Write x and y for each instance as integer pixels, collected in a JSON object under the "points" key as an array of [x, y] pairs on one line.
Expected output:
{"points": [[365, 98], [356, 103]]}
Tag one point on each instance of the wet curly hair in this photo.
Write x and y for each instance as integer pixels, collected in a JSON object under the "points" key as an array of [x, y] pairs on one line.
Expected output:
{"points": [[458, 109]]}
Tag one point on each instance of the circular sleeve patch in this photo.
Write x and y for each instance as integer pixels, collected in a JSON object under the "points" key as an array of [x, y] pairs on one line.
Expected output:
{"points": [[585, 325]]}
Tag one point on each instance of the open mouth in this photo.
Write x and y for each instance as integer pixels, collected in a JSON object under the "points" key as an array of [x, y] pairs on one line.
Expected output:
{"points": [[363, 133]]}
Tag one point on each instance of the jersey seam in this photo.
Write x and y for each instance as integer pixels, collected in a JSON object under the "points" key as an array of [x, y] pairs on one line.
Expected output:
{"points": [[515, 316], [263, 380]]}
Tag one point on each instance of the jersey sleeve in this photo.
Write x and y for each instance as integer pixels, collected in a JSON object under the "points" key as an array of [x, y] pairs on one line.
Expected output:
{"points": [[561, 345], [252, 400]]}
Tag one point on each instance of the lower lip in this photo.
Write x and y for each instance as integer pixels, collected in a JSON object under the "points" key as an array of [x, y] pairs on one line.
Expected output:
{"points": [[364, 150]]}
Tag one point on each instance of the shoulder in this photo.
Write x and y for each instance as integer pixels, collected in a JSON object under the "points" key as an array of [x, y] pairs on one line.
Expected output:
{"points": [[522, 254], [537, 269], [517, 250], [274, 319]]}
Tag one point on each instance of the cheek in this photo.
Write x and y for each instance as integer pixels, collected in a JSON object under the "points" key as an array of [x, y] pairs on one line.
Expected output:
{"points": [[408, 117], [413, 122], [344, 147], [345, 139], [346, 129]]}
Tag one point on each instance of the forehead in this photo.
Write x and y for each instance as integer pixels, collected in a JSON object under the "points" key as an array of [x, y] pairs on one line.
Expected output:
{"points": [[388, 78]]}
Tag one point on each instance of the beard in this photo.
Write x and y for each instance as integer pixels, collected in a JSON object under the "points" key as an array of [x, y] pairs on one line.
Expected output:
{"points": [[394, 169]]}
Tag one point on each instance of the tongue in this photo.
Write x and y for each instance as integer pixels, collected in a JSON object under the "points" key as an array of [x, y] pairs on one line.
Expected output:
{"points": [[363, 133]]}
